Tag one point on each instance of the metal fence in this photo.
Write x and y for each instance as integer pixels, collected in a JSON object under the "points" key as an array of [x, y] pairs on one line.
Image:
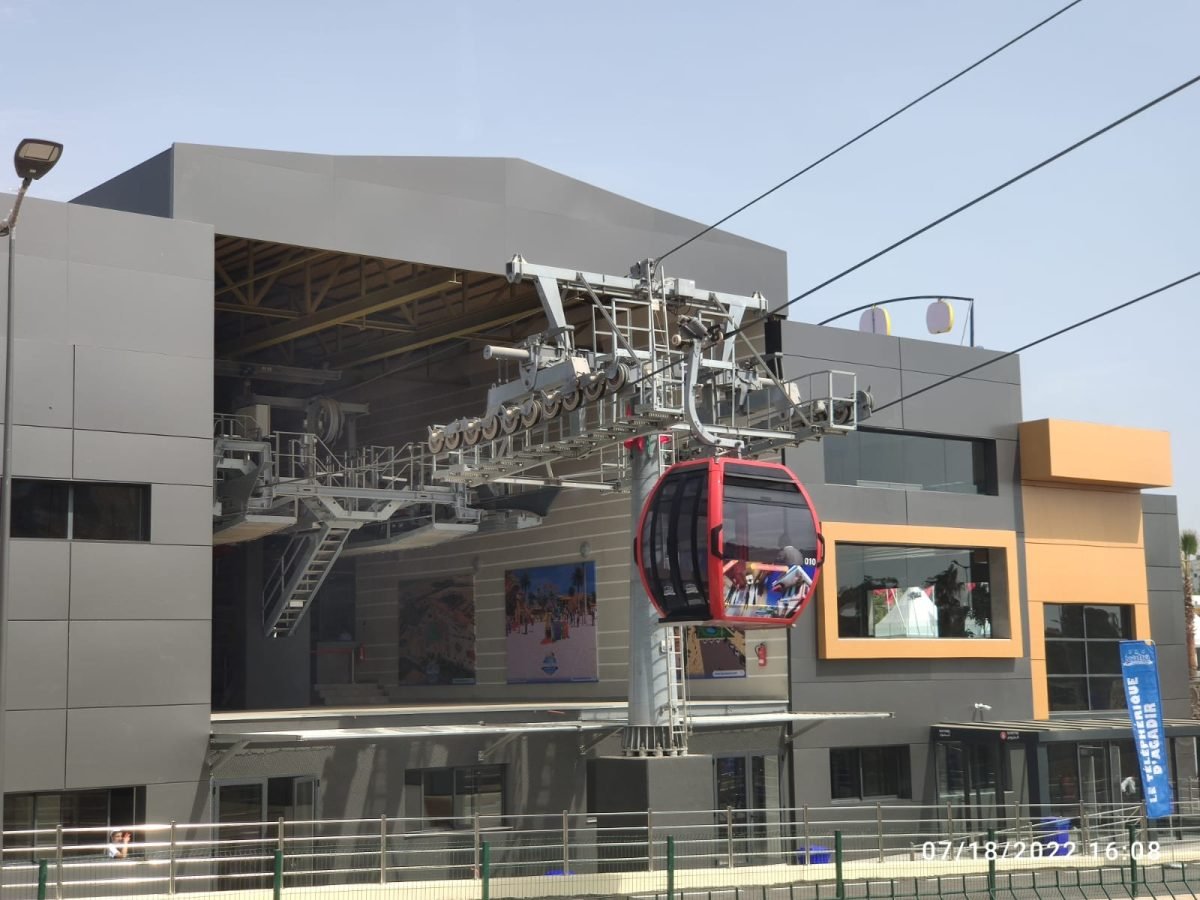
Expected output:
{"points": [[834, 853]]}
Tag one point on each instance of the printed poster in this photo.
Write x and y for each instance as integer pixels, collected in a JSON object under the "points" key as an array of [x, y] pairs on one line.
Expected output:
{"points": [[712, 651], [436, 641], [550, 623]]}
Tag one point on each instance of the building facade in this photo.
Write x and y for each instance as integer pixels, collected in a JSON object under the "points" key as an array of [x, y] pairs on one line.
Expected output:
{"points": [[979, 568]]}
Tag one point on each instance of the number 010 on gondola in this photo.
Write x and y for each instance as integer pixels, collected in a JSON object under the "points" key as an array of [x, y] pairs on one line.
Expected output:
{"points": [[729, 541]]}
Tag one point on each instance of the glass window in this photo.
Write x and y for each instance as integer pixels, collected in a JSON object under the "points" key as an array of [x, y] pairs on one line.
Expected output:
{"points": [[111, 512], [451, 798], [1083, 665], [85, 511], [894, 459], [914, 592], [39, 508], [860, 773]]}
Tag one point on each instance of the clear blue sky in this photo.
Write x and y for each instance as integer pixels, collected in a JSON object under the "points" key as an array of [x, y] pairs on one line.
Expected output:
{"points": [[695, 107]]}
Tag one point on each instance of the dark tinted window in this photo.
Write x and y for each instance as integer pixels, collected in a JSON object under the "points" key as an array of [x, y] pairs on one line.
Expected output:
{"points": [[111, 512], [891, 591], [1083, 665], [859, 773], [39, 508], [912, 461]]}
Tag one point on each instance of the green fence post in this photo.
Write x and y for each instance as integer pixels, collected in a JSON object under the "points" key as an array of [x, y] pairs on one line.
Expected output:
{"points": [[42, 869], [1133, 866], [837, 859], [670, 868], [991, 855], [277, 879], [485, 865]]}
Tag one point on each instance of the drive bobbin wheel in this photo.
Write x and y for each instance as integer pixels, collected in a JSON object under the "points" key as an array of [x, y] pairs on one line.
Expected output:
{"points": [[594, 390], [453, 440], [510, 419], [531, 413], [572, 400], [490, 427], [551, 406], [437, 441], [470, 432]]}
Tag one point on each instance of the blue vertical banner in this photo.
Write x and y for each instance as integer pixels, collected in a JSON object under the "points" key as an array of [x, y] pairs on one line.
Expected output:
{"points": [[1139, 673]]}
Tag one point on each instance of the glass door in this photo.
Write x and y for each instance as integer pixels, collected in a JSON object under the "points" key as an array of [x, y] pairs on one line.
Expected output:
{"points": [[240, 809], [741, 786], [1095, 782]]}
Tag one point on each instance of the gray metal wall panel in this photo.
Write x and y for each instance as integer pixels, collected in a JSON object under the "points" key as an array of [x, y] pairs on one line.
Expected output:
{"points": [[965, 406], [1160, 536], [145, 189], [951, 359], [134, 745], [151, 312], [35, 743], [42, 230], [845, 503], [841, 344], [42, 295], [962, 510], [181, 514], [164, 663], [160, 459], [184, 801], [41, 452], [42, 383], [120, 390], [1165, 578], [141, 243], [1160, 504], [38, 662], [40, 579], [296, 198], [121, 581]]}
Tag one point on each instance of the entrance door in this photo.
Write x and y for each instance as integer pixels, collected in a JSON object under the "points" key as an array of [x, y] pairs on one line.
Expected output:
{"points": [[239, 808], [1095, 782], [741, 786]]}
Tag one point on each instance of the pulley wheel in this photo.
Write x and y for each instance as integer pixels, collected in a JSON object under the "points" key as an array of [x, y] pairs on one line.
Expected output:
{"points": [[594, 390], [618, 377], [572, 400], [510, 419], [531, 413], [551, 406], [490, 427], [470, 432], [453, 440], [437, 441]]}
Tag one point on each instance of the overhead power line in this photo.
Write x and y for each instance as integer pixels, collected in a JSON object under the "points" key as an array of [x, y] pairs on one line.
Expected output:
{"points": [[1041, 340], [950, 215], [862, 134]]}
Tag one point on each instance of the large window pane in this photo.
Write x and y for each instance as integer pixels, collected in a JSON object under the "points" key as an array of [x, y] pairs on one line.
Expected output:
{"points": [[111, 512], [860, 773], [914, 592], [1082, 642], [843, 775], [896, 459], [39, 508]]}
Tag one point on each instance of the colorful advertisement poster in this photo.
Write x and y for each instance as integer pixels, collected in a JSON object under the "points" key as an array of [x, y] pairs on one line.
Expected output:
{"points": [[769, 590], [550, 623], [436, 640], [712, 651], [1139, 672]]}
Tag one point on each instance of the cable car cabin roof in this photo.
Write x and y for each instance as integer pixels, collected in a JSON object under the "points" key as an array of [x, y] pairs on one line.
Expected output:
{"points": [[729, 542]]}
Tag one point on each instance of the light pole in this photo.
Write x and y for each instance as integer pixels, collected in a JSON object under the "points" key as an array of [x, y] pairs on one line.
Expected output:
{"points": [[970, 301], [33, 159]]}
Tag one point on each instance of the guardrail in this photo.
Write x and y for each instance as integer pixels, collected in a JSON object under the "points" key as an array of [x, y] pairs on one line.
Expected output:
{"points": [[645, 853]]}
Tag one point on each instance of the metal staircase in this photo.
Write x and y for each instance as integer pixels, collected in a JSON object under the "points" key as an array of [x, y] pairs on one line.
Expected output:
{"points": [[677, 717], [298, 576]]}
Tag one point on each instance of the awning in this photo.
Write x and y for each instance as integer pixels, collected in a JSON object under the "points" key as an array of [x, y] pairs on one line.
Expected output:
{"points": [[1115, 727]]}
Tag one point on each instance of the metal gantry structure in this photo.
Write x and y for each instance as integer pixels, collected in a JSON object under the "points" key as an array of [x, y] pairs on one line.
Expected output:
{"points": [[668, 370]]}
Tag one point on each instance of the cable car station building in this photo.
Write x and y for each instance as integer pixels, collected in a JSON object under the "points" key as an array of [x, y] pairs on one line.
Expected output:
{"points": [[273, 615]]}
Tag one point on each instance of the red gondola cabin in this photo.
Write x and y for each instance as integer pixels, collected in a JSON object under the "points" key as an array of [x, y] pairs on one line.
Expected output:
{"points": [[729, 542]]}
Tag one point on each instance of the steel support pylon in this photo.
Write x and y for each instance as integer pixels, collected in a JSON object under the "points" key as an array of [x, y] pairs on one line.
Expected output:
{"points": [[656, 725]]}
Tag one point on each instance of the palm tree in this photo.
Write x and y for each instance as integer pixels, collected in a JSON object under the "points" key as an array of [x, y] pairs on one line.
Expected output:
{"points": [[1187, 550]]}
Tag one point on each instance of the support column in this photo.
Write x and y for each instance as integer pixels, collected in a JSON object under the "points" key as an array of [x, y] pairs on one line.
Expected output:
{"points": [[648, 732]]}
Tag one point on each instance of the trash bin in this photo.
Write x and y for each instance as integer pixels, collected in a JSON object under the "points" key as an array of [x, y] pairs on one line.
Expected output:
{"points": [[1057, 831], [814, 855]]}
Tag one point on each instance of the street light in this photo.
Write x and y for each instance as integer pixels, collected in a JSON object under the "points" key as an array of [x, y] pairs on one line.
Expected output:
{"points": [[33, 159], [937, 298]]}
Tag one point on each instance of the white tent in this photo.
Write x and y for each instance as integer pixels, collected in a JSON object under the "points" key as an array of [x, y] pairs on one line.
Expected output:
{"points": [[912, 615]]}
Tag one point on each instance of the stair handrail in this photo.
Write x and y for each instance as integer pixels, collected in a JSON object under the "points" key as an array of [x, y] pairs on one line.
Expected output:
{"points": [[278, 580]]}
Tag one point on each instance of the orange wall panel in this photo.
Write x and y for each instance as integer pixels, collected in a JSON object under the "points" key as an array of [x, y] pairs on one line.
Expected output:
{"points": [[1084, 452]]}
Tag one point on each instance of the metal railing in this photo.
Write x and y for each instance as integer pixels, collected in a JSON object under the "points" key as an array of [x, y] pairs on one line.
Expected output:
{"points": [[605, 854]]}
